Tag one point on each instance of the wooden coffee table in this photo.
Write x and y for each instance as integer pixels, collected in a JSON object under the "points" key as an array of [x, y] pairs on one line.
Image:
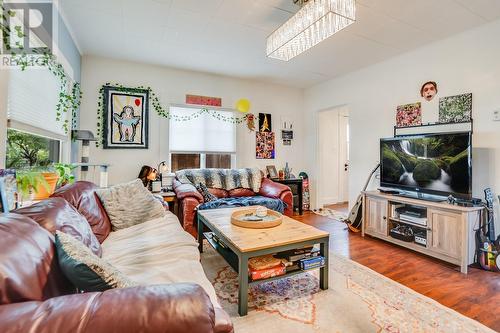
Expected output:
{"points": [[240, 244]]}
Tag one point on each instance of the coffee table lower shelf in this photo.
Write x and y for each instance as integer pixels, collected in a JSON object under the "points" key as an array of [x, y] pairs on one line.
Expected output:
{"points": [[239, 260], [232, 259]]}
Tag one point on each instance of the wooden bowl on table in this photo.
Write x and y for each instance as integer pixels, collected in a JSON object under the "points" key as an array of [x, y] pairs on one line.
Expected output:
{"points": [[240, 219]]}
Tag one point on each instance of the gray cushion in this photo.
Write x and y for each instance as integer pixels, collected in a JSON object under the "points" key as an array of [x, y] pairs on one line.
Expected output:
{"points": [[129, 204], [84, 269]]}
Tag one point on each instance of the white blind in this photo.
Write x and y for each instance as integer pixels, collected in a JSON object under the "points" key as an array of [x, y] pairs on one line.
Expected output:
{"points": [[32, 99], [203, 134]]}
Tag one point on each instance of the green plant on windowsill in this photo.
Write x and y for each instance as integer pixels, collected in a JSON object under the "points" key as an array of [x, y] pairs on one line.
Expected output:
{"points": [[29, 182], [65, 173]]}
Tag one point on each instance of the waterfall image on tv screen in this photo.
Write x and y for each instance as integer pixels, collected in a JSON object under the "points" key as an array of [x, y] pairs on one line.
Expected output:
{"points": [[435, 163]]}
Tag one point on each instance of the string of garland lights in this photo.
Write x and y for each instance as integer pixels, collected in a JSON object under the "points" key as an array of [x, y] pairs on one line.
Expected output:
{"points": [[160, 110], [70, 94]]}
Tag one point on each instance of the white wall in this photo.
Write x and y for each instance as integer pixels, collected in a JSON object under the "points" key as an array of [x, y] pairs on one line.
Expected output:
{"points": [[469, 62], [171, 86]]}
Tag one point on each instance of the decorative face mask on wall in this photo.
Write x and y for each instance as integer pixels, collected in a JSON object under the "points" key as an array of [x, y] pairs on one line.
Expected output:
{"points": [[429, 90]]}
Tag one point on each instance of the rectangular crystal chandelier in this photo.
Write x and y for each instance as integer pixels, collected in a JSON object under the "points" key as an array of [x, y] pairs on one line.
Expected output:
{"points": [[313, 23]]}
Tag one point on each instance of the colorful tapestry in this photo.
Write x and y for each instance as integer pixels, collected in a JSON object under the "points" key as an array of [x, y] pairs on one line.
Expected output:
{"points": [[264, 147]]}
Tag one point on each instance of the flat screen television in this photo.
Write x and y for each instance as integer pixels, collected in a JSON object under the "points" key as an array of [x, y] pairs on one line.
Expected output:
{"points": [[437, 164]]}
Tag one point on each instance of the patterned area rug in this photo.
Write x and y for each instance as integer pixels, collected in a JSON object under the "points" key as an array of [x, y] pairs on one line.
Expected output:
{"points": [[330, 213], [358, 300]]}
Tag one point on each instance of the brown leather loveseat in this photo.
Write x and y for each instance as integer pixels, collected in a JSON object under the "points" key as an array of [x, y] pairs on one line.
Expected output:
{"points": [[36, 297], [189, 198]]}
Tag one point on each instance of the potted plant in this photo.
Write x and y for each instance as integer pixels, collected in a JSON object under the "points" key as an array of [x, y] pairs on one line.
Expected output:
{"points": [[65, 173], [29, 184], [51, 178]]}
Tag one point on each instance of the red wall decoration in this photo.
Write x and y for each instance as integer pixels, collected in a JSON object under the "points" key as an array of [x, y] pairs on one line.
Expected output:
{"points": [[203, 100]]}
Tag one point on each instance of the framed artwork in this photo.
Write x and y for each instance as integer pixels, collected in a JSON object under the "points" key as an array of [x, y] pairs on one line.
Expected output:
{"points": [[454, 109], [271, 170], [264, 146], [9, 183], [265, 122], [409, 115], [287, 135], [126, 122]]}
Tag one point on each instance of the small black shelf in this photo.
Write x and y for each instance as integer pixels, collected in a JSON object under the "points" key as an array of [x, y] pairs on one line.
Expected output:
{"points": [[396, 128]]}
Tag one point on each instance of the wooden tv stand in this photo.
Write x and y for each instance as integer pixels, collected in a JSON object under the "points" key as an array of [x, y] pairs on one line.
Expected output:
{"points": [[449, 230]]}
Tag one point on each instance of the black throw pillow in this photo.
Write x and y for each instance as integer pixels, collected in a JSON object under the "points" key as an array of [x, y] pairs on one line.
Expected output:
{"points": [[207, 196]]}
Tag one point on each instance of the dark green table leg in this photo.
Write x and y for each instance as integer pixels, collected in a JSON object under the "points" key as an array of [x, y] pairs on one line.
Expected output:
{"points": [[323, 272], [200, 233], [243, 285]]}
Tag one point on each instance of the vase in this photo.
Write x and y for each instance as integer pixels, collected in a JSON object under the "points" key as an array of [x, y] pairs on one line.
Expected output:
{"points": [[51, 178]]}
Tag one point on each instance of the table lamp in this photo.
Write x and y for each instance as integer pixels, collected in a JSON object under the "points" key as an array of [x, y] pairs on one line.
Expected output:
{"points": [[166, 177]]}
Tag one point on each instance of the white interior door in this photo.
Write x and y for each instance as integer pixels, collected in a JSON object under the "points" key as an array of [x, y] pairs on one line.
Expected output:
{"points": [[328, 157], [333, 156], [344, 157]]}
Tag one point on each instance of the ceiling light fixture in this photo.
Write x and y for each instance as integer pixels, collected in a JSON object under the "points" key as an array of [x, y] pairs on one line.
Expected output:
{"points": [[313, 23]]}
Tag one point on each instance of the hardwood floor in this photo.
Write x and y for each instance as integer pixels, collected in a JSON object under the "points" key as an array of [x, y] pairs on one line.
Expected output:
{"points": [[475, 295]]}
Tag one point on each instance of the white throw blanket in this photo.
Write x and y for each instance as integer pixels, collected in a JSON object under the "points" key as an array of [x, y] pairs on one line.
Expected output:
{"points": [[157, 252]]}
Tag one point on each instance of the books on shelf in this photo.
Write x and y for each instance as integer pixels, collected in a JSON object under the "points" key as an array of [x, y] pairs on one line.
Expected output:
{"points": [[268, 266], [298, 254]]}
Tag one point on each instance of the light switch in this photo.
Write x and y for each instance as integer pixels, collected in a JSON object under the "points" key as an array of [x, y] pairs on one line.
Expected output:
{"points": [[496, 115]]}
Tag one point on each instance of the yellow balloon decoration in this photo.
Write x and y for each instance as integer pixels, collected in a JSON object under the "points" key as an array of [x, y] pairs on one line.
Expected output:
{"points": [[243, 105]]}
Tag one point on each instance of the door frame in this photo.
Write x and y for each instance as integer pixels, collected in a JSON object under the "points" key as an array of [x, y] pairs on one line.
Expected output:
{"points": [[318, 192]]}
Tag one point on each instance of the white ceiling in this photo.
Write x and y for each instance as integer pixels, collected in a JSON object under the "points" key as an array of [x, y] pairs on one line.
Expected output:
{"points": [[228, 36]]}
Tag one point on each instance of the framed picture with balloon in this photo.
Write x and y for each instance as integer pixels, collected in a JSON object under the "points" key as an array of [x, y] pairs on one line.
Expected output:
{"points": [[126, 118]]}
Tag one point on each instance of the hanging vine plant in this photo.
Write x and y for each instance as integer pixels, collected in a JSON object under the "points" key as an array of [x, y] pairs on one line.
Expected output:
{"points": [[160, 110], [70, 94]]}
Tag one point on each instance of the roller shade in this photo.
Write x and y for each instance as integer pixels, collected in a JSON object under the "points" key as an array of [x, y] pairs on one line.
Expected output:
{"points": [[32, 99], [204, 134]]}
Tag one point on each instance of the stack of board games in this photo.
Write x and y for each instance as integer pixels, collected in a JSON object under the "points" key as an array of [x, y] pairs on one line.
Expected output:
{"points": [[265, 267]]}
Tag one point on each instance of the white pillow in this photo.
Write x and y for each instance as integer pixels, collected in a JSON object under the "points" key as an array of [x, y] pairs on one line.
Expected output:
{"points": [[129, 204]]}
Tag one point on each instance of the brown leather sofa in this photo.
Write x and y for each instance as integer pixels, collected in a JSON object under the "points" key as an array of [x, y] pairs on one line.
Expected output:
{"points": [[189, 198], [36, 297]]}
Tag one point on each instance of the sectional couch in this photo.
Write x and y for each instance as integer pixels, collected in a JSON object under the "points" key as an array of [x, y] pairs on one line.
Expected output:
{"points": [[173, 295]]}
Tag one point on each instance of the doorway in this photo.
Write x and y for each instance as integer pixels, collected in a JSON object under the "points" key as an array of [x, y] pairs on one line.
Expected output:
{"points": [[333, 156]]}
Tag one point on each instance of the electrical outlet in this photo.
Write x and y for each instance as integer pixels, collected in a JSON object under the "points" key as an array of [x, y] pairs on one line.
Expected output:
{"points": [[496, 115]]}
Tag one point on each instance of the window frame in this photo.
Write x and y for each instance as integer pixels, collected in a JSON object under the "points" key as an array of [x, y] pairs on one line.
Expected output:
{"points": [[203, 158], [63, 142], [204, 153]]}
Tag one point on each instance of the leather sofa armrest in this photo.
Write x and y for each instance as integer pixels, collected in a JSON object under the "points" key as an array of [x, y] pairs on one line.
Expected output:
{"points": [[160, 308], [271, 189], [186, 190]]}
